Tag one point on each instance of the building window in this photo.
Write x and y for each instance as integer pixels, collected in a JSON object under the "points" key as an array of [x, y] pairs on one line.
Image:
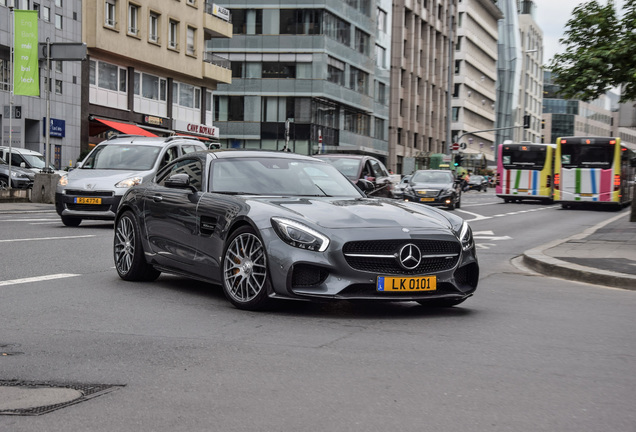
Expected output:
{"points": [[357, 122], [358, 80], [336, 71], [110, 13], [186, 95], [279, 70], [59, 66], [173, 34], [382, 19], [190, 40], [379, 129], [380, 56], [36, 7], [58, 3], [46, 13], [153, 27], [381, 95], [337, 29], [456, 90], [108, 76], [362, 42], [229, 108], [150, 87], [58, 87], [247, 21], [133, 19], [58, 21], [299, 21]]}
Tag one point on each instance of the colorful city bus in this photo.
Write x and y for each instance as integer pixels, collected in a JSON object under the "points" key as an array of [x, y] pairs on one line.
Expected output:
{"points": [[593, 169], [524, 171]]}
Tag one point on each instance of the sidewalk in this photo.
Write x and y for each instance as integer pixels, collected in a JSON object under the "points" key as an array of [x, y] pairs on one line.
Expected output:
{"points": [[602, 255]]}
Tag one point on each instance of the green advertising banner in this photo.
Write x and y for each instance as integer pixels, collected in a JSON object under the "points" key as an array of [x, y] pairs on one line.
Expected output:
{"points": [[26, 77]]}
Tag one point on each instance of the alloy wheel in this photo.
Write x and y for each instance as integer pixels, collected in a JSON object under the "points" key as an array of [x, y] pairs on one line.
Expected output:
{"points": [[245, 268]]}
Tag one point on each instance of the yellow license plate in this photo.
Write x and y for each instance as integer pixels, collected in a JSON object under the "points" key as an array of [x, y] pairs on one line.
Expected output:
{"points": [[404, 284], [82, 200], [427, 199]]}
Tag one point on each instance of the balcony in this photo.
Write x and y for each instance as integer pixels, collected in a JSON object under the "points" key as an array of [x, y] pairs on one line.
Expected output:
{"points": [[217, 21], [217, 68]]}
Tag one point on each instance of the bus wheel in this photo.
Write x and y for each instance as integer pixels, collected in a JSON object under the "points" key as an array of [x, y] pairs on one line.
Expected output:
{"points": [[565, 206], [506, 200]]}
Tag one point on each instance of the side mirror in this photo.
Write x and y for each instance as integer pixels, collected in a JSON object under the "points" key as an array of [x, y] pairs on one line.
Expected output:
{"points": [[22, 165], [78, 164], [178, 181]]}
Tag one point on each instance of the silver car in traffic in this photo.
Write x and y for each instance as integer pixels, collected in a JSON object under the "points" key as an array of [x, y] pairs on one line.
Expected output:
{"points": [[93, 190]]}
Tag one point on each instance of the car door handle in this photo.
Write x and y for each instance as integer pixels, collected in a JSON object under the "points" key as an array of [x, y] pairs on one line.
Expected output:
{"points": [[157, 198]]}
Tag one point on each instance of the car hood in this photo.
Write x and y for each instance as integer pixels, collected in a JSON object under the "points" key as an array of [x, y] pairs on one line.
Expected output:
{"points": [[16, 169], [333, 213], [80, 178]]}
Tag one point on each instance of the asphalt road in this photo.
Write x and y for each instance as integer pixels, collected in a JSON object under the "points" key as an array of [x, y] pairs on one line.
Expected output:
{"points": [[526, 353]]}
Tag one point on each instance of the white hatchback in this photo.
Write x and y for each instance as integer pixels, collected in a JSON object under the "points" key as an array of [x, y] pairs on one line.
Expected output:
{"points": [[94, 189]]}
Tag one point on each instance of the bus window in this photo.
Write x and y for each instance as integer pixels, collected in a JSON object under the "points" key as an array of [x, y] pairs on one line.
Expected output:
{"points": [[523, 157], [587, 156]]}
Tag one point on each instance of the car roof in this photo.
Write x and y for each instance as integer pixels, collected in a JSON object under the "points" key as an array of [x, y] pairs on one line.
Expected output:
{"points": [[343, 155], [242, 153], [151, 141], [21, 150]]}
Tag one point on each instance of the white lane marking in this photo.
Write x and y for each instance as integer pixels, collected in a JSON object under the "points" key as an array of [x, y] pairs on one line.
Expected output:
{"points": [[478, 217], [27, 220], [46, 238], [475, 215], [37, 279]]}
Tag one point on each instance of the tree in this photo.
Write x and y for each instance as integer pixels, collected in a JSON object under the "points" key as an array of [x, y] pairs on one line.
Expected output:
{"points": [[600, 52]]}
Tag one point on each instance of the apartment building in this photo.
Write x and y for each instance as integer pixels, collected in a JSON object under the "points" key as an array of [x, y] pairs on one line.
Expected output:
{"points": [[421, 55], [23, 121], [531, 86], [149, 70], [475, 75], [312, 77]]}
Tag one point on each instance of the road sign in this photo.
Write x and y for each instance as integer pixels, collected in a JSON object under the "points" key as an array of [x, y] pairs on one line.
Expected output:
{"points": [[455, 146], [64, 51]]}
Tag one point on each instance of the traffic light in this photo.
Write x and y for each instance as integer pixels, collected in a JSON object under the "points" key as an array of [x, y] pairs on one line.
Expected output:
{"points": [[458, 160], [526, 121]]}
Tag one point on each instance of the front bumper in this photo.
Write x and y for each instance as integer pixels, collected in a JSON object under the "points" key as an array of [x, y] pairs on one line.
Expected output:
{"points": [[66, 204], [303, 274], [437, 200]]}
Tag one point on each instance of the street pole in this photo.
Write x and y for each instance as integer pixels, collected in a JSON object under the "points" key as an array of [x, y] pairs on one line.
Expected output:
{"points": [[449, 90], [47, 126], [11, 102]]}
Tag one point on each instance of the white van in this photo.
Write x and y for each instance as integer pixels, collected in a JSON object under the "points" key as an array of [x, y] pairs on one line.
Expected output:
{"points": [[25, 158]]}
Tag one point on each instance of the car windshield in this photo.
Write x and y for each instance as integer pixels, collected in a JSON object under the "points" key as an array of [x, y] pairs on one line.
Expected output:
{"points": [[348, 166], [122, 157], [279, 176], [432, 177], [35, 161]]}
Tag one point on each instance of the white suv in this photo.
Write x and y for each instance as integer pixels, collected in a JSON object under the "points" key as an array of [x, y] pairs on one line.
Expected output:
{"points": [[93, 190], [25, 158]]}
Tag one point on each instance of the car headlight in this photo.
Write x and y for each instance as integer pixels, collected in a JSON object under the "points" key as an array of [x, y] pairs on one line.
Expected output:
{"points": [[298, 235], [466, 237], [129, 182], [63, 181], [18, 175]]}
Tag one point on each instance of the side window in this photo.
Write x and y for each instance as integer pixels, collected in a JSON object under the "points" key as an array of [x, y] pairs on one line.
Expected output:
{"points": [[191, 167], [171, 154], [190, 148], [378, 170]]}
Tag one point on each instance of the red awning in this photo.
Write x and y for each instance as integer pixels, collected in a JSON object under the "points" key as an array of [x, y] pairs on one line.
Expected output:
{"points": [[127, 128]]}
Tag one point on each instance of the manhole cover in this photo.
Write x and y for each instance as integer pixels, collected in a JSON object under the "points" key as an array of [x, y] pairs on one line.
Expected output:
{"points": [[35, 398]]}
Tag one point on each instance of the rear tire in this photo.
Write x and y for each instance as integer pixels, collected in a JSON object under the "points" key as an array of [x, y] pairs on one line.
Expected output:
{"points": [[71, 221], [4, 183], [128, 252]]}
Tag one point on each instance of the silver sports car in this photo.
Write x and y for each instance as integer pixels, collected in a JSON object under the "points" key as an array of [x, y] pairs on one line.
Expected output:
{"points": [[267, 225]]}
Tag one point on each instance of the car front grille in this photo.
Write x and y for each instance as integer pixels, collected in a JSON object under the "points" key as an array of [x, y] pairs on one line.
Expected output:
{"points": [[431, 193], [89, 207], [381, 257], [86, 193]]}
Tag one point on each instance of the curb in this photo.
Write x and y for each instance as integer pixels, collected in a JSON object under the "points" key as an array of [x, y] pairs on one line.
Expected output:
{"points": [[538, 261]]}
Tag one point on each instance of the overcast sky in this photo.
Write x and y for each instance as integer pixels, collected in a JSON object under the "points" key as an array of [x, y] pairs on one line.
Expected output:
{"points": [[552, 16]]}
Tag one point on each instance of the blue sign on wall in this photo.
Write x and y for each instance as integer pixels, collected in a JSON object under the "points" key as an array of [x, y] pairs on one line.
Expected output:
{"points": [[58, 128]]}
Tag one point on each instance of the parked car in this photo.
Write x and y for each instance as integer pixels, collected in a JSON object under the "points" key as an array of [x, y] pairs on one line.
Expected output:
{"points": [[357, 167], [25, 158], [267, 225], [93, 189], [398, 190], [478, 183], [434, 187], [20, 178]]}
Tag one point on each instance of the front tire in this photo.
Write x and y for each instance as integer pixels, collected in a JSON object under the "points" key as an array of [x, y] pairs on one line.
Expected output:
{"points": [[245, 276], [4, 183], [128, 252], [71, 221]]}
